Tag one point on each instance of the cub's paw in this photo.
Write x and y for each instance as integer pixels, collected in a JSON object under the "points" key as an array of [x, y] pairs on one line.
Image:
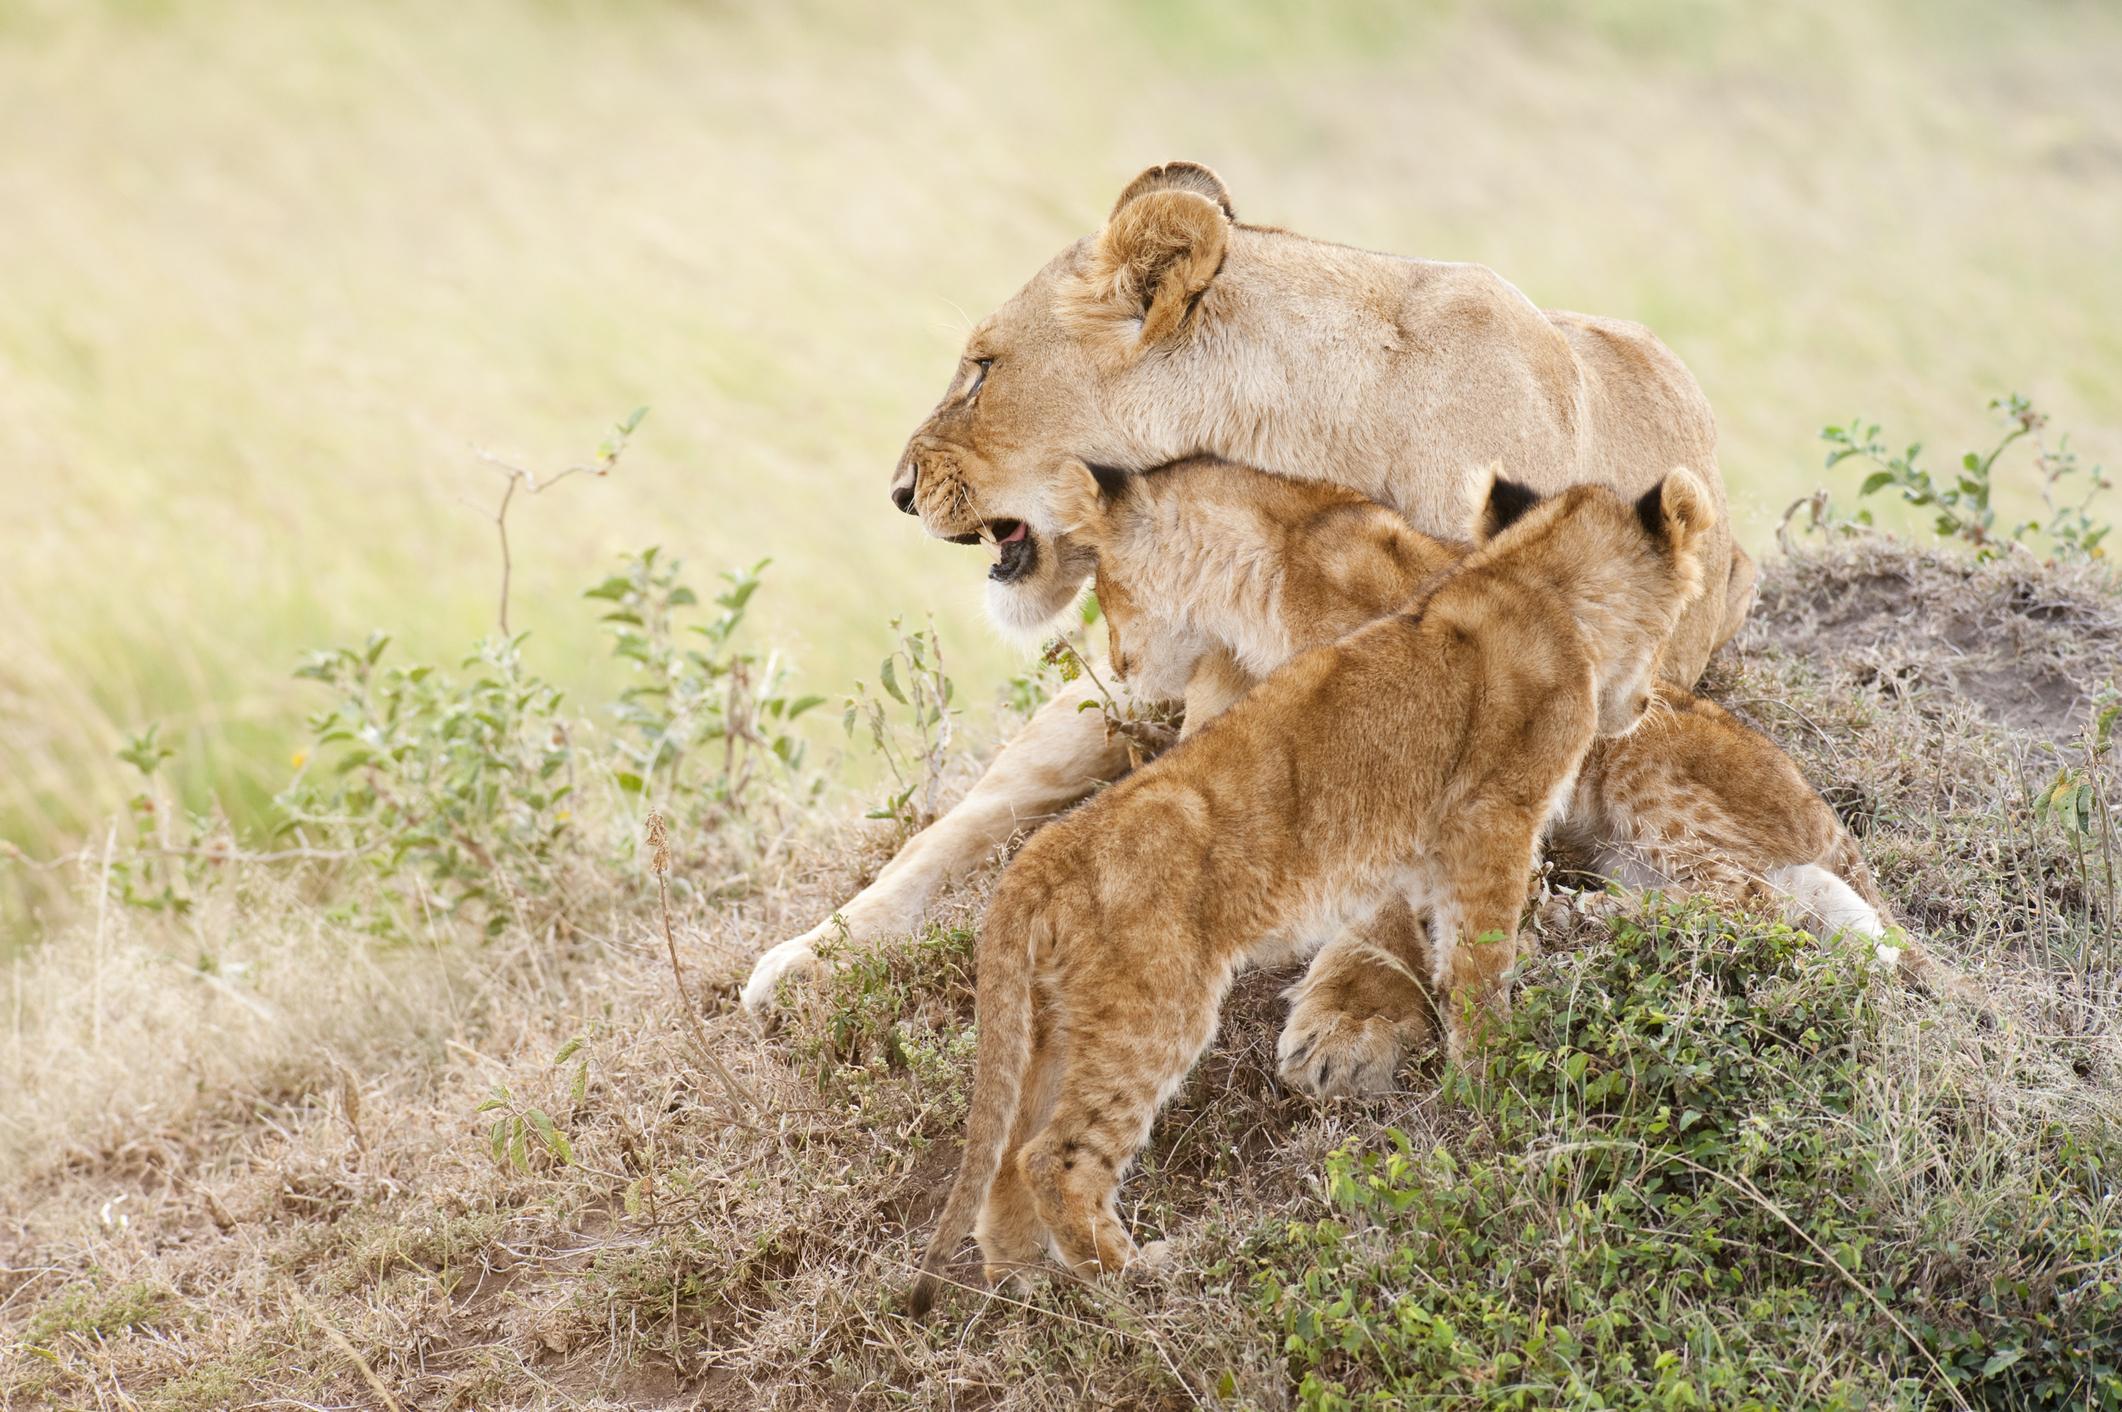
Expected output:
{"points": [[794, 958], [1564, 908], [1153, 1258], [1329, 1053]]}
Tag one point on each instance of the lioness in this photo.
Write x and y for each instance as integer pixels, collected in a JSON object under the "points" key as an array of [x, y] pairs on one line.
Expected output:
{"points": [[1178, 330], [1457, 727], [1211, 575]]}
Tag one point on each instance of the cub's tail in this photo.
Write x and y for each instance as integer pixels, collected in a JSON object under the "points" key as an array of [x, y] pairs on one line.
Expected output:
{"points": [[1002, 1002]]}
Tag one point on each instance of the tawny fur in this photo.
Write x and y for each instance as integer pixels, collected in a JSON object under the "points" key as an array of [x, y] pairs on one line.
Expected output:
{"points": [[1177, 330], [1457, 729], [1214, 574]]}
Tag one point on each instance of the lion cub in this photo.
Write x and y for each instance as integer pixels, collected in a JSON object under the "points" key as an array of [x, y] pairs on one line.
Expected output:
{"points": [[1418, 757], [1211, 574]]}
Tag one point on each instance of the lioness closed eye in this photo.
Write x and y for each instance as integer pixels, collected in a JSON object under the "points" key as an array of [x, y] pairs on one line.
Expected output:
{"points": [[1458, 726]]}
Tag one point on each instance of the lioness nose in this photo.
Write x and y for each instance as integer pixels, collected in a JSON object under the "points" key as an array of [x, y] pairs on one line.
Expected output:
{"points": [[903, 483]]}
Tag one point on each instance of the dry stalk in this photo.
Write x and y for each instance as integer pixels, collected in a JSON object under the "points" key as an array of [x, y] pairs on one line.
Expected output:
{"points": [[345, 1345], [659, 864], [518, 478]]}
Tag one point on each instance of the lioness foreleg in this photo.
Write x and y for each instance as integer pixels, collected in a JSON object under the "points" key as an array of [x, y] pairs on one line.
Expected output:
{"points": [[1062, 753], [1362, 1007]]}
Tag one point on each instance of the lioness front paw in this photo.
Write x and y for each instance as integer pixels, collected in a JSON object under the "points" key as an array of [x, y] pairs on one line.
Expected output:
{"points": [[1328, 1052], [795, 957]]}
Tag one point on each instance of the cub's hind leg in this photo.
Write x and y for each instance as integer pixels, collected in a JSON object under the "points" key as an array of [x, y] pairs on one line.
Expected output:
{"points": [[1130, 1034], [1362, 1007], [1012, 1236]]}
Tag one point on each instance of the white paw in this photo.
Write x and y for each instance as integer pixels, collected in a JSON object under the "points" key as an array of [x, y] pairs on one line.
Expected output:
{"points": [[793, 957]]}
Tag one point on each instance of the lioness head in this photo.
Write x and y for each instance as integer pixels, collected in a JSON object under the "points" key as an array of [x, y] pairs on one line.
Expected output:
{"points": [[1086, 365], [1628, 568]]}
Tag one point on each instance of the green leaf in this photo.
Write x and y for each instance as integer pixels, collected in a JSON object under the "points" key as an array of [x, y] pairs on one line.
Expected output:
{"points": [[889, 680], [1876, 481], [549, 1133], [630, 782], [567, 1051], [2000, 1360], [802, 704]]}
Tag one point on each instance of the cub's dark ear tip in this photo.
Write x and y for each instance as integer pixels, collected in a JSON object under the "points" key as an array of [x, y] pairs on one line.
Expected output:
{"points": [[1650, 509], [1111, 479], [1507, 503]]}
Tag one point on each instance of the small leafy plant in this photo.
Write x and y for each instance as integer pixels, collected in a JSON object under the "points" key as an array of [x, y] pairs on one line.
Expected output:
{"points": [[519, 1129], [463, 783], [1962, 501], [912, 676], [703, 718], [2076, 803]]}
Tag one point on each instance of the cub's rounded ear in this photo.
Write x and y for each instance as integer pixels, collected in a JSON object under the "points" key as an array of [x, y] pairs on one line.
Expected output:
{"points": [[1678, 511], [1499, 503], [1156, 255], [1079, 494], [1179, 176]]}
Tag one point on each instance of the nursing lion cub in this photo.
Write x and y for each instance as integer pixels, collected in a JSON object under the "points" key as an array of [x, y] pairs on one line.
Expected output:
{"points": [[1418, 757]]}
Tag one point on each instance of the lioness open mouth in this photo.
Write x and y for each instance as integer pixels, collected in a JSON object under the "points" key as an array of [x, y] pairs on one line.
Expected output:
{"points": [[1016, 552]]}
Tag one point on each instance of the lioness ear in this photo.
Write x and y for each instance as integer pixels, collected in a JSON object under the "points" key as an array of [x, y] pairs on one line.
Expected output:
{"points": [[1179, 176], [1678, 511], [1498, 503], [1154, 257]]}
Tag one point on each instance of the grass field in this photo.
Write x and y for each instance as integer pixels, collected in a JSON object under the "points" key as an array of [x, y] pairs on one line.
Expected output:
{"points": [[275, 271]]}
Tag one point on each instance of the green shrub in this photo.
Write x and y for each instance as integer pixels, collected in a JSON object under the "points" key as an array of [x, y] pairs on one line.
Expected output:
{"points": [[1669, 1183]]}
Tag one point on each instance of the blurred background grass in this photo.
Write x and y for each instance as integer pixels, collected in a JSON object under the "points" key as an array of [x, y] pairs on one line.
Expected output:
{"points": [[272, 271]]}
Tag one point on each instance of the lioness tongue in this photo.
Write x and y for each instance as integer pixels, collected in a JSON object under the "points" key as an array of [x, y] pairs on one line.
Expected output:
{"points": [[1016, 534]]}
